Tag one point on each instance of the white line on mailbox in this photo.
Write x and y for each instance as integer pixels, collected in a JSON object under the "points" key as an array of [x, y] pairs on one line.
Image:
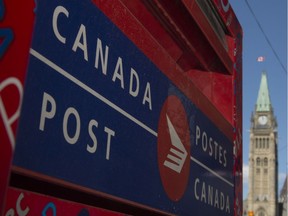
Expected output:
{"points": [[90, 90], [211, 171]]}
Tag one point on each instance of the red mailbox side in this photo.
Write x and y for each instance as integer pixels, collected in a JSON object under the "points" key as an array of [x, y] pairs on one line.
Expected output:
{"points": [[16, 24]]}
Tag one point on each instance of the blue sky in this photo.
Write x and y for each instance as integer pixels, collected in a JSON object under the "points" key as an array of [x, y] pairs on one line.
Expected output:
{"points": [[272, 16]]}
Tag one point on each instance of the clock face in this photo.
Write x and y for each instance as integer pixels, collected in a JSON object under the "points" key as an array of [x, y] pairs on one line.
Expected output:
{"points": [[262, 120]]}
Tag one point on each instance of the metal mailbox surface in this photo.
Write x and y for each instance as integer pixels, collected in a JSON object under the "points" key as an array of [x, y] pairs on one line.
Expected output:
{"points": [[99, 114]]}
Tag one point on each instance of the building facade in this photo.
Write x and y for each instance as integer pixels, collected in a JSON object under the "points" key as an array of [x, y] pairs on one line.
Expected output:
{"points": [[283, 199], [263, 160]]}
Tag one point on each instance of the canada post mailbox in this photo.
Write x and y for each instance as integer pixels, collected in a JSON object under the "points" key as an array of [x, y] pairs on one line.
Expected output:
{"points": [[136, 101]]}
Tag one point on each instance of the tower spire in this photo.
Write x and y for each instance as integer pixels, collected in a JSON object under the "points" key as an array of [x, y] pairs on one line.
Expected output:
{"points": [[263, 100]]}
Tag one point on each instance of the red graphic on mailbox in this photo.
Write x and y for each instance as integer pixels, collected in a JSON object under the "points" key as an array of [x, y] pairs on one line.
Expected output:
{"points": [[174, 148]]}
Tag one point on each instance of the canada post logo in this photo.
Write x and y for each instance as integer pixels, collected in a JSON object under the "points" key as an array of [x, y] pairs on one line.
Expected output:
{"points": [[174, 148]]}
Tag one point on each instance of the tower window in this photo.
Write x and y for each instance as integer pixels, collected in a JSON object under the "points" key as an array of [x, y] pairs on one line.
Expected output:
{"points": [[261, 213], [258, 161], [265, 161], [262, 143], [256, 143], [267, 143]]}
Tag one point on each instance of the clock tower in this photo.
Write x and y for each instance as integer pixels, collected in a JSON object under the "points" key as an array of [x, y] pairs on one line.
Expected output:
{"points": [[263, 160]]}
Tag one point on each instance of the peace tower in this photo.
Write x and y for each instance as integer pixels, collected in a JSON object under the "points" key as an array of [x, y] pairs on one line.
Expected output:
{"points": [[263, 160]]}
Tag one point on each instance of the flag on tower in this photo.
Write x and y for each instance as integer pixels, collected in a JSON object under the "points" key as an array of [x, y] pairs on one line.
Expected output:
{"points": [[261, 59]]}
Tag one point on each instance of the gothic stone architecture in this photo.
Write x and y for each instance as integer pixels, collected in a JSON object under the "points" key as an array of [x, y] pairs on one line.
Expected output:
{"points": [[263, 161]]}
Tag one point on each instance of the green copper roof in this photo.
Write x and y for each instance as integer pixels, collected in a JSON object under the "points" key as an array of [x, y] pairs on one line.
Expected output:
{"points": [[263, 100]]}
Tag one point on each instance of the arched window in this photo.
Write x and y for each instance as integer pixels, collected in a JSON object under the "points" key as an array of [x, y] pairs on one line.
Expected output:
{"points": [[261, 212], [267, 143], [265, 161], [260, 143], [258, 161], [256, 143]]}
